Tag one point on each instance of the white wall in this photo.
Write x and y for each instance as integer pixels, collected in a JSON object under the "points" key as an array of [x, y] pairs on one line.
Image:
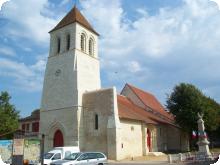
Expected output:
{"points": [[68, 75], [102, 103], [130, 139], [65, 120]]}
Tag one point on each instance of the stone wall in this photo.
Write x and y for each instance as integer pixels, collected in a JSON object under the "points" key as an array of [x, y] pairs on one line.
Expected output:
{"points": [[101, 103], [130, 139], [161, 138], [69, 74], [66, 120], [173, 138]]}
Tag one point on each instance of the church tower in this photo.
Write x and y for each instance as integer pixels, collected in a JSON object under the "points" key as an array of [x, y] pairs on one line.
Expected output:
{"points": [[72, 69]]}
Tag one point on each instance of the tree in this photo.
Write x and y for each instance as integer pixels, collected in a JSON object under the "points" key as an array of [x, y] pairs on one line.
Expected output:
{"points": [[8, 116], [186, 101]]}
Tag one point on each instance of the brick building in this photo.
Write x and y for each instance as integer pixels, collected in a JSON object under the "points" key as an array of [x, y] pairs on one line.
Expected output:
{"points": [[30, 124]]}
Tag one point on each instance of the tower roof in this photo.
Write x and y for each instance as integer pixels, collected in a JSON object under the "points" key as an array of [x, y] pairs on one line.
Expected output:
{"points": [[74, 16]]}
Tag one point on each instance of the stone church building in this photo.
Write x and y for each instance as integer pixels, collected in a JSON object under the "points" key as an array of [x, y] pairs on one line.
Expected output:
{"points": [[76, 111]]}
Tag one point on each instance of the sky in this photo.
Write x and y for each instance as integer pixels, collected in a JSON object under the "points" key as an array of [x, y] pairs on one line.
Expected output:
{"points": [[151, 44]]}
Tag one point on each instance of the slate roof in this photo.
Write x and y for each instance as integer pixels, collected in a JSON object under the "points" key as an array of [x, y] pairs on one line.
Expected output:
{"points": [[74, 16]]}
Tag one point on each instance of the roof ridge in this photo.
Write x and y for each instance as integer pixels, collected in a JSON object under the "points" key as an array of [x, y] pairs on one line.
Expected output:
{"points": [[141, 89], [133, 88], [152, 117]]}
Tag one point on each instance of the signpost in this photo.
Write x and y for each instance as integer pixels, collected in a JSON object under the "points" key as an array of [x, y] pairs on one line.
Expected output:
{"points": [[18, 151]]}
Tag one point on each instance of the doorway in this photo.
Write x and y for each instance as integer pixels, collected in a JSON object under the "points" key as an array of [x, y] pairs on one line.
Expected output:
{"points": [[58, 139], [149, 140]]}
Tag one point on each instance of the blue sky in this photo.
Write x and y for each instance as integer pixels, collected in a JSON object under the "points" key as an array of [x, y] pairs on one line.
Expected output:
{"points": [[152, 44]]}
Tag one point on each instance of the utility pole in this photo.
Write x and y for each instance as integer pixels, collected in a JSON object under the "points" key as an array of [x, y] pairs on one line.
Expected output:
{"points": [[42, 149]]}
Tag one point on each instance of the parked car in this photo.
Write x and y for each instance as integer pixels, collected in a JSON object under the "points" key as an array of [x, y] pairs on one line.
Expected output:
{"points": [[86, 158], [59, 153]]}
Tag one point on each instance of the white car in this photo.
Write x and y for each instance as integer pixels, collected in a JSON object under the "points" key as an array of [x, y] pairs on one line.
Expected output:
{"points": [[83, 158], [59, 153]]}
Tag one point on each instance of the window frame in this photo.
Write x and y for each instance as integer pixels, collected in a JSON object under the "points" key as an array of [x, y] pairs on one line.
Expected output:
{"points": [[83, 42], [91, 46]]}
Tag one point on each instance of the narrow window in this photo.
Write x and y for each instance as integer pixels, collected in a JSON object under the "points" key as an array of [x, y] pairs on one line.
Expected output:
{"points": [[35, 127], [96, 121], [58, 45], [27, 127], [68, 42], [23, 127], [83, 42], [91, 46]]}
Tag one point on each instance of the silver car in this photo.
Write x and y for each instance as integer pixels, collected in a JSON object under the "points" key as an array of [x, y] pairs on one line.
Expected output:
{"points": [[83, 158]]}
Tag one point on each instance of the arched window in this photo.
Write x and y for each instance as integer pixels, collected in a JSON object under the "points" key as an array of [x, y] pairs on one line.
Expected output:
{"points": [[96, 121], [68, 42], [83, 42], [58, 45], [91, 47]]}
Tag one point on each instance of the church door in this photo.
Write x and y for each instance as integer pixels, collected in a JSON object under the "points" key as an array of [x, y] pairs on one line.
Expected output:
{"points": [[149, 140], [58, 139]]}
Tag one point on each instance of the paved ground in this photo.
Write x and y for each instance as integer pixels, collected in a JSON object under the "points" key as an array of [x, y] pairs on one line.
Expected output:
{"points": [[154, 160], [157, 163]]}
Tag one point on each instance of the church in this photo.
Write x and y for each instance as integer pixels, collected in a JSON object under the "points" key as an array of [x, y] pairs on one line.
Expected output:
{"points": [[77, 111]]}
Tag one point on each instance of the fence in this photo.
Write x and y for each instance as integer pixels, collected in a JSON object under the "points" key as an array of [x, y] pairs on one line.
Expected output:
{"points": [[192, 157]]}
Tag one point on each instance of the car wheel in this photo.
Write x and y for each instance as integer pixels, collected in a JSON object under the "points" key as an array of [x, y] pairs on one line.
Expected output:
{"points": [[100, 164]]}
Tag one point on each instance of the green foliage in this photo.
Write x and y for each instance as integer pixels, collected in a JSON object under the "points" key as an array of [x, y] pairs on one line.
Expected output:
{"points": [[8, 115], [186, 101]]}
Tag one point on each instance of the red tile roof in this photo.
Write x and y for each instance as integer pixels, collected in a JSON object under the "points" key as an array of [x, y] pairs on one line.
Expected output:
{"points": [[150, 101], [74, 16], [128, 110]]}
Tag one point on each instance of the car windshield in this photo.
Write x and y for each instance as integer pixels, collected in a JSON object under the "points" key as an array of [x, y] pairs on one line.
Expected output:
{"points": [[48, 155], [72, 156]]}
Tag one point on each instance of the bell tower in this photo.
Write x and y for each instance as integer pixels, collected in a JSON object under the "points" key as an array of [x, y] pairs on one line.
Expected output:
{"points": [[72, 69]]}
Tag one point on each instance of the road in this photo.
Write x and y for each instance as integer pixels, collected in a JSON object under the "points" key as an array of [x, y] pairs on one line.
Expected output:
{"points": [[157, 163]]}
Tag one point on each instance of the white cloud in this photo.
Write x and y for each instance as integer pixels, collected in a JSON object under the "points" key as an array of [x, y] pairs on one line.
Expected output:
{"points": [[134, 66], [27, 21], [27, 77], [64, 2], [174, 45], [154, 52]]}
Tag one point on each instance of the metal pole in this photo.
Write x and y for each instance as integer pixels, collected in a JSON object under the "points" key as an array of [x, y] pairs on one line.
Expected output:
{"points": [[42, 149]]}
